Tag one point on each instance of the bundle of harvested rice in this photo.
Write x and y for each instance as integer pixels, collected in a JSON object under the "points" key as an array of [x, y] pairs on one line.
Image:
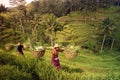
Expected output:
{"points": [[71, 53], [9, 47]]}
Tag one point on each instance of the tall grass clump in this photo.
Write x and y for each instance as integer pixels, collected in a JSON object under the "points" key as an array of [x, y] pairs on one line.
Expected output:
{"points": [[48, 72], [7, 59], [8, 72]]}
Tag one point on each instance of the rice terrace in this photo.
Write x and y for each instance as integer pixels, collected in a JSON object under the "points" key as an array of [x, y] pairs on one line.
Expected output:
{"points": [[60, 40]]}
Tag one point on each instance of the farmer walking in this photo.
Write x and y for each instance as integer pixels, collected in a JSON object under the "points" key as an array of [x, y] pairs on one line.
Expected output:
{"points": [[55, 59], [20, 48]]}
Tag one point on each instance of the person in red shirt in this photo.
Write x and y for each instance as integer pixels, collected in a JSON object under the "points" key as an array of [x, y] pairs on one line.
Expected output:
{"points": [[55, 59]]}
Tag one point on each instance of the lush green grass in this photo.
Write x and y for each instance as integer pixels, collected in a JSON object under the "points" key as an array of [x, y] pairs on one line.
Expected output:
{"points": [[86, 66]]}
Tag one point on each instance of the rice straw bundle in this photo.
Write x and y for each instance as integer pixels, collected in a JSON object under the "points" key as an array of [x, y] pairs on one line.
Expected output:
{"points": [[69, 53]]}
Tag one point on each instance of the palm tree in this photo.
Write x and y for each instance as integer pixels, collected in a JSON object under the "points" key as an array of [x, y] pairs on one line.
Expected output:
{"points": [[36, 31], [106, 28], [21, 11], [52, 26], [2, 8]]}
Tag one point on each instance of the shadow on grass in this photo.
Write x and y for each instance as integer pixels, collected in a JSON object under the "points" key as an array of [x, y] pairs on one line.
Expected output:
{"points": [[35, 76], [71, 70], [7, 59]]}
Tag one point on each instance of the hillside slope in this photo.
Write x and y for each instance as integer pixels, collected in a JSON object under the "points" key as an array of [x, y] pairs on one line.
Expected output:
{"points": [[82, 27]]}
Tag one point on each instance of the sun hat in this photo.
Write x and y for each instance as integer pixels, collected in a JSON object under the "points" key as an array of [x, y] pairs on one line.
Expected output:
{"points": [[18, 43]]}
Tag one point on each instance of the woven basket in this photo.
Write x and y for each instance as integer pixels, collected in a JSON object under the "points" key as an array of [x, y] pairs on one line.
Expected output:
{"points": [[39, 53], [9, 47], [70, 54]]}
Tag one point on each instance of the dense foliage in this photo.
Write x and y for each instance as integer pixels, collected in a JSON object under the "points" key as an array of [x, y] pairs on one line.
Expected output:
{"points": [[38, 23]]}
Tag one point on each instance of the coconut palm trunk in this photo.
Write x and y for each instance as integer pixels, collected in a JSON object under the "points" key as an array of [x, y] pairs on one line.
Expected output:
{"points": [[52, 42], [112, 44], [103, 42], [52, 38], [23, 30]]}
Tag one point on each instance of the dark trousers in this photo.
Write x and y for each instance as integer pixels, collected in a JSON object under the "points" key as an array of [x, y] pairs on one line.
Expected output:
{"points": [[20, 52]]}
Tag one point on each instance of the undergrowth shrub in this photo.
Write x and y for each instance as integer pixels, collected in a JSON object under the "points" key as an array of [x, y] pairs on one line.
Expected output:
{"points": [[8, 72]]}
